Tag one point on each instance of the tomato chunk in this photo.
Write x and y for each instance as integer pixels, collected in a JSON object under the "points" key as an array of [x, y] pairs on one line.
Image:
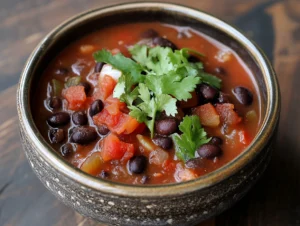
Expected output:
{"points": [[208, 115], [107, 85], [118, 123], [116, 103], [114, 149], [76, 97], [227, 114]]}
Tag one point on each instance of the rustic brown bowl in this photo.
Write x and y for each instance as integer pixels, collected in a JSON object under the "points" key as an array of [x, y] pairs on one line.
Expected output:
{"points": [[173, 204]]}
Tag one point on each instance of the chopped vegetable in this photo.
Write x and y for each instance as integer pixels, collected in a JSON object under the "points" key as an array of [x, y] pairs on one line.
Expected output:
{"points": [[158, 156], [109, 70], [76, 97], [57, 87], [227, 114], [208, 115], [193, 136], [146, 143], [73, 81], [92, 164], [183, 174], [118, 122], [251, 116], [107, 85], [114, 149]]}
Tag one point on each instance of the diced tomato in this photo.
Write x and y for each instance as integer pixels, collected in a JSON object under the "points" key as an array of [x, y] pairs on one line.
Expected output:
{"points": [[208, 115], [114, 149], [106, 85], [104, 117], [113, 109], [192, 102], [115, 101], [227, 114], [126, 125], [118, 123], [92, 164], [76, 97]]}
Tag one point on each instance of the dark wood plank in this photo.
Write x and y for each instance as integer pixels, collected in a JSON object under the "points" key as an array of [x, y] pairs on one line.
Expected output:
{"points": [[274, 25]]}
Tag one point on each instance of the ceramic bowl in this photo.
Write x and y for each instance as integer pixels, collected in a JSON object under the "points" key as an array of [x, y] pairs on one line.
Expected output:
{"points": [[174, 204]]}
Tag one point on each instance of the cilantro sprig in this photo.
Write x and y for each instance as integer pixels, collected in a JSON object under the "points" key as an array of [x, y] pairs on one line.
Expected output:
{"points": [[150, 105], [155, 80], [193, 136]]}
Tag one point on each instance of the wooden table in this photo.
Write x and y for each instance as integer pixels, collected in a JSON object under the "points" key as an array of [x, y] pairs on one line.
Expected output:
{"points": [[274, 25]]}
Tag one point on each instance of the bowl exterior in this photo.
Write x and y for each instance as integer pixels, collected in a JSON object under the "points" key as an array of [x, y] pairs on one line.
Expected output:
{"points": [[182, 209]]}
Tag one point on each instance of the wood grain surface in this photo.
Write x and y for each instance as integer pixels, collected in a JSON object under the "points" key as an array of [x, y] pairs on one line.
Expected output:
{"points": [[274, 25]]}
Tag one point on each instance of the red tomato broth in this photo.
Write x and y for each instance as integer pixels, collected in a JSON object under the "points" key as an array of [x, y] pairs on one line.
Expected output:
{"points": [[119, 37]]}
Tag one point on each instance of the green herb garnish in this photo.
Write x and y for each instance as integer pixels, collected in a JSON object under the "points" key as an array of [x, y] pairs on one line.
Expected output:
{"points": [[158, 78], [193, 136]]}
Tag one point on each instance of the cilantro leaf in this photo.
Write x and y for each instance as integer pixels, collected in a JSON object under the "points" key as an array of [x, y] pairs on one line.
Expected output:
{"points": [[146, 110], [173, 84], [193, 136], [211, 80], [122, 63]]}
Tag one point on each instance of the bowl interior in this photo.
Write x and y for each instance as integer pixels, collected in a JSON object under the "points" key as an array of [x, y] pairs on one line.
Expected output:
{"points": [[96, 19]]}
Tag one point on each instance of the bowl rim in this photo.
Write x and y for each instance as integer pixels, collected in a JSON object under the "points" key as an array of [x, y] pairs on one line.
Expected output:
{"points": [[262, 137]]}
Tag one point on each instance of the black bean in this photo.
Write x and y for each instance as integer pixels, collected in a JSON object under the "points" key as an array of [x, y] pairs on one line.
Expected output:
{"points": [[216, 141], [220, 71], [166, 126], [194, 163], [56, 135], [209, 151], [163, 42], [79, 118], [59, 119], [98, 66], [145, 179], [137, 164], [163, 142], [96, 107], [83, 135], [150, 33], [208, 92], [54, 103], [86, 85], [223, 98], [66, 150], [104, 174], [243, 95], [62, 71], [103, 129]]}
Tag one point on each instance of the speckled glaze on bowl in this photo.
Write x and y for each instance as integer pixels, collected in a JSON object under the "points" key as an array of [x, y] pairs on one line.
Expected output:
{"points": [[174, 204]]}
